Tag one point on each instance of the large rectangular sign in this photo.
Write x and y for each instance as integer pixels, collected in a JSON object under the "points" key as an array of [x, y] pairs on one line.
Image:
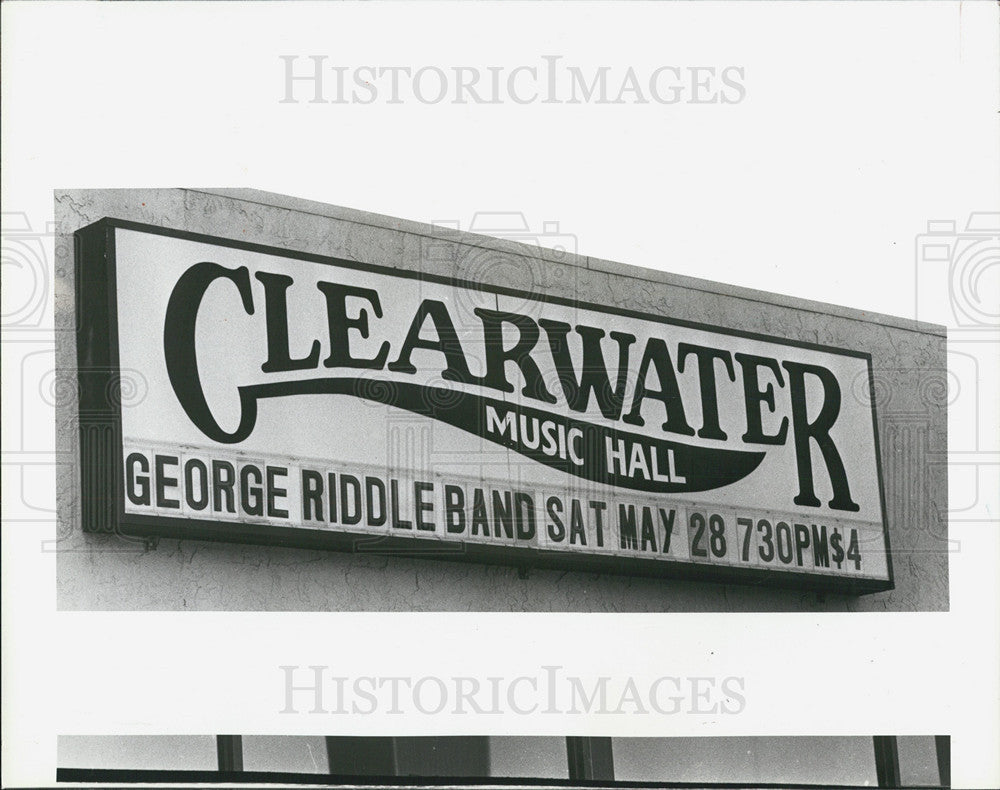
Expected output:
{"points": [[236, 392]]}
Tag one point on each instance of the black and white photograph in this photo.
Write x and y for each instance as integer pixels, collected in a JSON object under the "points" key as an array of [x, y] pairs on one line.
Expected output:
{"points": [[481, 394], [540, 761], [562, 426]]}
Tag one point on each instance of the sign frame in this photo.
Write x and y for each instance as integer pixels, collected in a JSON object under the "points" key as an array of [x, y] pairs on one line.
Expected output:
{"points": [[101, 443]]}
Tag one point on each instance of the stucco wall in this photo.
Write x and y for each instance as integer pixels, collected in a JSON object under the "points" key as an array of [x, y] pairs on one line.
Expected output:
{"points": [[104, 572]]}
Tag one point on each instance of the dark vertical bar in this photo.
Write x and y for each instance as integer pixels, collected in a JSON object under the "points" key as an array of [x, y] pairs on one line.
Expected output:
{"points": [[887, 761], [942, 744], [575, 756], [451, 756], [361, 756], [230, 750], [100, 439], [590, 758]]}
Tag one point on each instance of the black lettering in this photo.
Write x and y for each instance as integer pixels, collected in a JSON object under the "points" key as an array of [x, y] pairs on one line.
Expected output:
{"points": [[480, 517], [397, 522], [819, 431], [854, 550], [180, 353], [524, 513], [753, 397], [747, 524], [339, 324], [192, 466], [163, 482], [520, 354], [223, 483], [556, 529], [626, 527], [454, 509], [577, 530], [656, 354], [696, 521], [312, 495], [767, 540], [717, 535], [276, 314], [598, 508], [593, 371], [137, 488], [503, 515], [350, 494], [710, 428], [251, 496], [801, 541], [447, 343], [783, 537], [419, 489], [331, 487], [273, 511], [667, 520], [648, 531], [375, 502], [821, 549]]}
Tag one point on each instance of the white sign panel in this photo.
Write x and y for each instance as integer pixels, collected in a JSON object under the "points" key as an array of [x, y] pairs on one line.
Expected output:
{"points": [[272, 396]]}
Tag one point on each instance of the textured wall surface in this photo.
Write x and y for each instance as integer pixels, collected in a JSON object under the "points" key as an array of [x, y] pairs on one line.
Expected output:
{"points": [[105, 572]]}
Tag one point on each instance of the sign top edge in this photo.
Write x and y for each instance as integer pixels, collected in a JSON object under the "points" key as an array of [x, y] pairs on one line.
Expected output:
{"points": [[279, 201]]}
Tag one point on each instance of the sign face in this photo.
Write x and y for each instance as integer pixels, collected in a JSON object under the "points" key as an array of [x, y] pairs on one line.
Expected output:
{"points": [[263, 395]]}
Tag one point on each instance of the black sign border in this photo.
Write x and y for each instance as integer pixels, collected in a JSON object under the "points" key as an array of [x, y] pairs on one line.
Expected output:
{"points": [[101, 441]]}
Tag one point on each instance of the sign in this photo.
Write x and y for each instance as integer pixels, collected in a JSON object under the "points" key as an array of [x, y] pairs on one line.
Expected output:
{"points": [[236, 392]]}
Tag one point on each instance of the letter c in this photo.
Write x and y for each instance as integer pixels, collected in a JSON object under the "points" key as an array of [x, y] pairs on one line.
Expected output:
{"points": [[181, 356], [574, 456]]}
